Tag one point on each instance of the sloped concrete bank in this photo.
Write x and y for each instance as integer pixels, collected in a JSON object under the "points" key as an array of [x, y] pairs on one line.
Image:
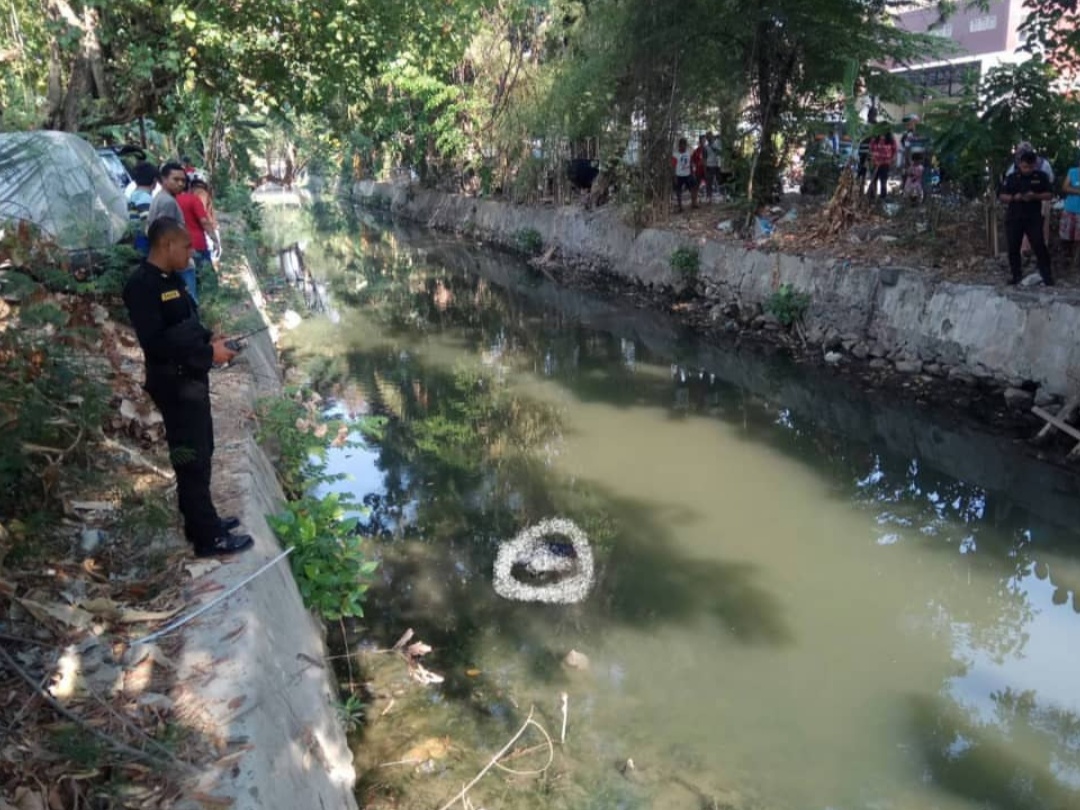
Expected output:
{"points": [[906, 317], [252, 675]]}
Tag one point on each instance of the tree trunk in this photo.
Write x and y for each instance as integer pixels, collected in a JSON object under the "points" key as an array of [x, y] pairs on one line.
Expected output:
{"points": [[290, 164], [774, 73], [85, 74], [215, 144]]}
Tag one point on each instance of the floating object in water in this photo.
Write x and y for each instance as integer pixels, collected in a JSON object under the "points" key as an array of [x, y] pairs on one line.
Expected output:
{"points": [[576, 660], [552, 558], [539, 555]]}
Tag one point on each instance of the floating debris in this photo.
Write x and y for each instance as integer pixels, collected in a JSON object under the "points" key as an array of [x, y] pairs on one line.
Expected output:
{"points": [[532, 549]]}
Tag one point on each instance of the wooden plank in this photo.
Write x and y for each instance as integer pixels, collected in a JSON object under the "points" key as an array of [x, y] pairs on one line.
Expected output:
{"points": [[1053, 420], [1063, 414]]}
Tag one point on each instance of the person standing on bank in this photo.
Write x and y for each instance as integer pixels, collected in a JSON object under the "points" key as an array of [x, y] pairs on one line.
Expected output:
{"points": [[173, 183], [1025, 191], [179, 352]]}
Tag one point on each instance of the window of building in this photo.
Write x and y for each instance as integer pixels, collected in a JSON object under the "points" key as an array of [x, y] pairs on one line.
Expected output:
{"points": [[985, 23], [944, 81], [943, 31]]}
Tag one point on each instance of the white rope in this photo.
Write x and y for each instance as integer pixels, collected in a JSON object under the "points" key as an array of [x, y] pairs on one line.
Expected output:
{"points": [[215, 601], [529, 545]]}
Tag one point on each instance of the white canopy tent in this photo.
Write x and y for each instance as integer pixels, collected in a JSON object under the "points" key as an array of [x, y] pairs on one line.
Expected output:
{"points": [[55, 180]]}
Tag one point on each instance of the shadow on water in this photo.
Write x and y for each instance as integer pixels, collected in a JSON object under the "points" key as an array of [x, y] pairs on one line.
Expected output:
{"points": [[466, 462], [457, 459]]}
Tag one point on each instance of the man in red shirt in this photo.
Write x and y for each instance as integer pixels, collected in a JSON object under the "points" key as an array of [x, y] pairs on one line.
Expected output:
{"points": [[197, 221], [697, 161]]}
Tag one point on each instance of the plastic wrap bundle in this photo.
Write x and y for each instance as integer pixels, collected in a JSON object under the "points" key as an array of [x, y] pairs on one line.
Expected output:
{"points": [[57, 182], [532, 549]]}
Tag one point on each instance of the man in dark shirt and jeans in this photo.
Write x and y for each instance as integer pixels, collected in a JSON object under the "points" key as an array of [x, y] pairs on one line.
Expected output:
{"points": [[1025, 190], [179, 353]]}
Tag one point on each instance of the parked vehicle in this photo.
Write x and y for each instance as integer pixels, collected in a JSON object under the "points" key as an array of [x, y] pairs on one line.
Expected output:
{"points": [[117, 159]]}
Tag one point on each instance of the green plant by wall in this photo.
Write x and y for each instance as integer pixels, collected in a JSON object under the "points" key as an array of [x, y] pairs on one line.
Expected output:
{"points": [[291, 427], [787, 304], [686, 261], [529, 241], [350, 710], [328, 559]]}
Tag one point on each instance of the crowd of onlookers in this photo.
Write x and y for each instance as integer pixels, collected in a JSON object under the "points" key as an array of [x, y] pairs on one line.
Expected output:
{"points": [[1027, 188], [700, 170], [180, 192]]}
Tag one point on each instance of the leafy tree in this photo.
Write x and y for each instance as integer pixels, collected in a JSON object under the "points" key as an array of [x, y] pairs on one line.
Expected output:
{"points": [[1052, 28], [976, 136], [658, 62], [110, 62]]}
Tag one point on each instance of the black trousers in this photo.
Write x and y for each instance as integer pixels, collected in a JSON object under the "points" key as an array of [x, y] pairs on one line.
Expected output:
{"points": [[1032, 228], [184, 403], [880, 177]]}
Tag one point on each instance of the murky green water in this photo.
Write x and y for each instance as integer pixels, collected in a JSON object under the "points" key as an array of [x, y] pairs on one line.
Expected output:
{"points": [[804, 598]]}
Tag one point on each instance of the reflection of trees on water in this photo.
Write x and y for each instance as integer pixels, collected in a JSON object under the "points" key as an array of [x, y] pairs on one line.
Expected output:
{"points": [[1026, 758], [972, 528], [465, 467]]}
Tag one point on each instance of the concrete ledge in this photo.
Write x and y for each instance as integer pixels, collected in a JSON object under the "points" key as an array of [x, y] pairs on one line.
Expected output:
{"points": [[1013, 335], [252, 675]]}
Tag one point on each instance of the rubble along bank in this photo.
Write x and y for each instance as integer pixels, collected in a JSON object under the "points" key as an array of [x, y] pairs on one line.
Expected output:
{"points": [[905, 318]]}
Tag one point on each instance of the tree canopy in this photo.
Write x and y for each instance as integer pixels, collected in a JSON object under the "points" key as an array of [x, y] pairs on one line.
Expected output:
{"points": [[499, 91]]}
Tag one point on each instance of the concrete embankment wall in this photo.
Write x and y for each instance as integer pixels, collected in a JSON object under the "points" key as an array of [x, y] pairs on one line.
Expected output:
{"points": [[252, 674], [906, 315]]}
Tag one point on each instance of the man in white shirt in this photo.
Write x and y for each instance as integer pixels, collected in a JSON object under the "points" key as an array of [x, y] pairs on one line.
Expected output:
{"points": [[684, 175], [712, 165]]}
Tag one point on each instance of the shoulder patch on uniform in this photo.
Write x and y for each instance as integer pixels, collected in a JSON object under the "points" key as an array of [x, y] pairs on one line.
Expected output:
{"points": [[169, 295]]}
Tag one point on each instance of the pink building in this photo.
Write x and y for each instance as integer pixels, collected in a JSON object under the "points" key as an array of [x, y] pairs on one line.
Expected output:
{"points": [[981, 40]]}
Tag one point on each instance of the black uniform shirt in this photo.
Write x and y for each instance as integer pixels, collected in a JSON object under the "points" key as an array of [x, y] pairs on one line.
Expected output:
{"points": [[1016, 183], [166, 322]]}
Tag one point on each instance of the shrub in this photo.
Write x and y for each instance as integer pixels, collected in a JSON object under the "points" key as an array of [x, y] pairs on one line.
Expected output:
{"points": [[529, 241], [686, 262], [787, 304], [328, 560]]}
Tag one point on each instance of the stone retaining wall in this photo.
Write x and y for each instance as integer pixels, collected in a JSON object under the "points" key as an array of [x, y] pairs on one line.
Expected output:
{"points": [[903, 316]]}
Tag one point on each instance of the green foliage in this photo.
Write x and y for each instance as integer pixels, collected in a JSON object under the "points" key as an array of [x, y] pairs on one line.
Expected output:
{"points": [[975, 138], [686, 262], [529, 241], [328, 559], [351, 712], [108, 271], [787, 304], [1051, 30], [289, 426], [239, 200]]}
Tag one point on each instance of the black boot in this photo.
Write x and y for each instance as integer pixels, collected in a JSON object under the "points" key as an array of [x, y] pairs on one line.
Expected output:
{"points": [[224, 544]]}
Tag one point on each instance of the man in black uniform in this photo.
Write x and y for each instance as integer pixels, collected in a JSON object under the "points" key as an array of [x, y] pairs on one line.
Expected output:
{"points": [[179, 353], [1025, 190]]}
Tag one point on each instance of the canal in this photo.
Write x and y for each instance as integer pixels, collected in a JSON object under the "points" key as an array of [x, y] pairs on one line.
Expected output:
{"points": [[803, 596]]}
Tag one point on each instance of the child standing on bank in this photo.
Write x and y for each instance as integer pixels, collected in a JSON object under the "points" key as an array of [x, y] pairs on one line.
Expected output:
{"points": [[913, 180]]}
